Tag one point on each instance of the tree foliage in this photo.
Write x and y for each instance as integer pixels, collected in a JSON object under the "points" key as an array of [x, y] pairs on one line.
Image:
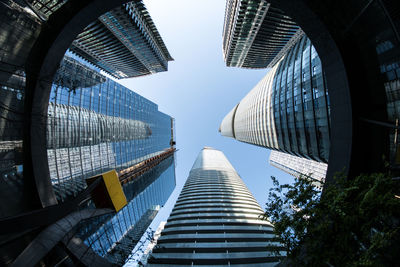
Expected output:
{"points": [[352, 223]]}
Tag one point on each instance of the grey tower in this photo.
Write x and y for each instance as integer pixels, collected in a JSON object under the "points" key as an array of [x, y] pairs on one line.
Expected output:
{"points": [[215, 221]]}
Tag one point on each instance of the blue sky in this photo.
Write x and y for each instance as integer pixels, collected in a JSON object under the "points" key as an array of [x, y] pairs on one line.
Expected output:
{"points": [[198, 90]]}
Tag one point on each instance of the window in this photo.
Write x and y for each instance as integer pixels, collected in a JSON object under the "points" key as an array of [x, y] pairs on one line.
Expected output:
{"points": [[315, 92], [314, 71]]}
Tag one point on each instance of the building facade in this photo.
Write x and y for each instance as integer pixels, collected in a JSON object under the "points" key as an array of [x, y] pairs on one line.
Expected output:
{"points": [[215, 221], [18, 31], [95, 125], [131, 47], [376, 50], [254, 33], [123, 42], [288, 110], [113, 236], [152, 243], [299, 167]]}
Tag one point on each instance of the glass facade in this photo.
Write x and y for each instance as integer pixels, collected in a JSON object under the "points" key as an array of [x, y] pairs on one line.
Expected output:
{"points": [[20, 23], [46, 7], [93, 125], [288, 110], [18, 31], [254, 33], [114, 236], [124, 42], [300, 103], [387, 44], [96, 124], [299, 167]]}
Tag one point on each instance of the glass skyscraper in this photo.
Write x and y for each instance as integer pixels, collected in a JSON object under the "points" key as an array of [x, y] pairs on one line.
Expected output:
{"points": [[216, 221], [254, 33], [288, 110], [299, 167], [96, 125], [113, 236], [123, 42], [91, 125]]}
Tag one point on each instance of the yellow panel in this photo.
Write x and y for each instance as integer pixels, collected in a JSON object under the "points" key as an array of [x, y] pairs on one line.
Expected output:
{"points": [[114, 189]]}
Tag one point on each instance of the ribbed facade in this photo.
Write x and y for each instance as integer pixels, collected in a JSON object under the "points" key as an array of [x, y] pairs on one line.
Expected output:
{"points": [[299, 167], [46, 7], [254, 33], [123, 42], [215, 221], [288, 110]]}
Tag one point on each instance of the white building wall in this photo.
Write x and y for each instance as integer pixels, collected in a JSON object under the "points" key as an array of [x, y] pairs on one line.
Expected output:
{"points": [[216, 221], [253, 119]]}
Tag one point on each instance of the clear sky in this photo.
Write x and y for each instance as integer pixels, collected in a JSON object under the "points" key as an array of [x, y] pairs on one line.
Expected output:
{"points": [[198, 90]]}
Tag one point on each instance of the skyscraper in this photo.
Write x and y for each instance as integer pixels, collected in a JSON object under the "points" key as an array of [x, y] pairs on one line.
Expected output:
{"points": [[123, 42], [113, 236], [94, 126], [299, 167], [215, 221], [254, 33], [288, 110]]}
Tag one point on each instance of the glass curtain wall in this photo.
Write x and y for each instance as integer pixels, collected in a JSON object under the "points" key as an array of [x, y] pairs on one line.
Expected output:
{"points": [[254, 33], [301, 103], [96, 124], [18, 31], [384, 37], [288, 110], [104, 240]]}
